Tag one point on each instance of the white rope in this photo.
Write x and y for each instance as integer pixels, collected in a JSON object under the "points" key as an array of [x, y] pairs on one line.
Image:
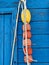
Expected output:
{"points": [[15, 36], [26, 38], [25, 31], [23, 36], [26, 35]]}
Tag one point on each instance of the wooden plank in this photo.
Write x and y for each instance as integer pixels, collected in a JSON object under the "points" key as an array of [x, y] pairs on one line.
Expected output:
{"points": [[42, 55], [1, 40], [7, 39]]}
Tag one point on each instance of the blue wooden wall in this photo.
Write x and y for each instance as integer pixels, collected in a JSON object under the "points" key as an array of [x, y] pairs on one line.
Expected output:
{"points": [[40, 32]]}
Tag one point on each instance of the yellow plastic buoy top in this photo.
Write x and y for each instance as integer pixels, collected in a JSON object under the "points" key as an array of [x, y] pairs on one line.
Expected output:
{"points": [[26, 16]]}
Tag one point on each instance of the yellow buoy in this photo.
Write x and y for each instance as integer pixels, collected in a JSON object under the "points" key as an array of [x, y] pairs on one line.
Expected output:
{"points": [[26, 15]]}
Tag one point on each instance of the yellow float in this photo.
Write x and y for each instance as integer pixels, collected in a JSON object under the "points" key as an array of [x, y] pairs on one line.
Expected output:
{"points": [[26, 16]]}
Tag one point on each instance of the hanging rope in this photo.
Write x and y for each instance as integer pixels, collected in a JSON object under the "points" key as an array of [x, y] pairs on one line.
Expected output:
{"points": [[14, 41], [25, 30], [15, 36], [26, 33]]}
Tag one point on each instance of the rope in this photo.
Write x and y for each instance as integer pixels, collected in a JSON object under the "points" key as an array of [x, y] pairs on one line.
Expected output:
{"points": [[15, 35], [26, 32], [13, 46], [26, 36]]}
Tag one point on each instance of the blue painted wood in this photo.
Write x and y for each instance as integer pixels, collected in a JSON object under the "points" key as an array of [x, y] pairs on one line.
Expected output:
{"points": [[36, 27], [36, 39], [38, 4], [42, 55], [34, 63], [7, 39], [39, 29], [6, 29], [1, 39], [30, 3], [39, 14]]}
